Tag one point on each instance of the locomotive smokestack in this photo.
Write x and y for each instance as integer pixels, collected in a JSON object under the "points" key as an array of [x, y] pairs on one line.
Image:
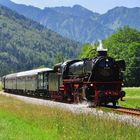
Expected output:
{"points": [[101, 50]]}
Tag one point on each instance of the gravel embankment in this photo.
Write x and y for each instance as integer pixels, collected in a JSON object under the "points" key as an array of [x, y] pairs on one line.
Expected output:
{"points": [[80, 108]]}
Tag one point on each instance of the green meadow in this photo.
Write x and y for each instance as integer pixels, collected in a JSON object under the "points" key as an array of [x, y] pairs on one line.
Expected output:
{"points": [[22, 121], [132, 98]]}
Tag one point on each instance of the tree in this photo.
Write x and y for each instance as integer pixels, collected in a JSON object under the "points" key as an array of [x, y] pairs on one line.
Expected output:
{"points": [[133, 61], [88, 51], [59, 58], [125, 44]]}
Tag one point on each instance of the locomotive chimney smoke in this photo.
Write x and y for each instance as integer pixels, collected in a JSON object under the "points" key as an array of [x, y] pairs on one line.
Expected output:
{"points": [[101, 50]]}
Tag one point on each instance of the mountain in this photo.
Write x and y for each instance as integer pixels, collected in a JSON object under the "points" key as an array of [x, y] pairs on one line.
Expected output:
{"points": [[79, 23], [25, 44], [76, 10], [121, 16]]}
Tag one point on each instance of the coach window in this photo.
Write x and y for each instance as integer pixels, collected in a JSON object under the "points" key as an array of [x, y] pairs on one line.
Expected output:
{"points": [[41, 80]]}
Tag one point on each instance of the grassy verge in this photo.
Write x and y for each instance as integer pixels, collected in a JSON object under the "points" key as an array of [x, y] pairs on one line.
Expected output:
{"points": [[1, 85], [132, 98], [21, 121]]}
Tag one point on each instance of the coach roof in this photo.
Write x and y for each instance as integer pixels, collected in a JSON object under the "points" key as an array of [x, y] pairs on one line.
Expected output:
{"points": [[32, 72], [27, 73]]}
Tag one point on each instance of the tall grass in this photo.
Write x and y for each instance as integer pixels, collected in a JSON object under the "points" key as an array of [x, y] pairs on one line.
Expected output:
{"points": [[21, 121]]}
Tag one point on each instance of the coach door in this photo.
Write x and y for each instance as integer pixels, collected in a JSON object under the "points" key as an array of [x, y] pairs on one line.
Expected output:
{"points": [[54, 81], [43, 81]]}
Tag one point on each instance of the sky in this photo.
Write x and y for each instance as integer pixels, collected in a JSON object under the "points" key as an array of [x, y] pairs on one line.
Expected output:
{"points": [[100, 6]]}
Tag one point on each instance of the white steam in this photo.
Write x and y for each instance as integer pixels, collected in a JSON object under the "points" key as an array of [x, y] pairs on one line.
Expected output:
{"points": [[101, 47]]}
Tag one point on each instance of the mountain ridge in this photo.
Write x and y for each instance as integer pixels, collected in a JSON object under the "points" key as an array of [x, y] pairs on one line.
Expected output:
{"points": [[79, 23]]}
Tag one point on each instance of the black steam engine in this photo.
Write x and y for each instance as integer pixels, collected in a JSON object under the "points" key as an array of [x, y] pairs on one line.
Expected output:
{"points": [[98, 80]]}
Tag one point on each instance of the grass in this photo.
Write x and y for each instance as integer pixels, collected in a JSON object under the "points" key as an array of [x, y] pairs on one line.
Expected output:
{"points": [[12, 127], [22, 121], [132, 98], [1, 86], [133, 91]]}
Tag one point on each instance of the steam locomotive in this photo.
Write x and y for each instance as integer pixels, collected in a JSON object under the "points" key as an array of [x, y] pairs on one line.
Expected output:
{"points": [[98, 80]]}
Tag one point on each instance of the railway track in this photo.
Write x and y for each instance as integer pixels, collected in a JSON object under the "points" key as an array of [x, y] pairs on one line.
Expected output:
{"points": [[130, 111], [125, 110]]}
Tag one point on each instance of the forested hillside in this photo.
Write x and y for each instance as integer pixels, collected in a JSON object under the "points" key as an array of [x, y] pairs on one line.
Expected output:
{"points": [[124, 44], [79, 23], [25, 44]]}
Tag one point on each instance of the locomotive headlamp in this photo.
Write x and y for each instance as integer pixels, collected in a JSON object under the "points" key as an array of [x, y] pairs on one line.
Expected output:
{"points": [[91, 85]]}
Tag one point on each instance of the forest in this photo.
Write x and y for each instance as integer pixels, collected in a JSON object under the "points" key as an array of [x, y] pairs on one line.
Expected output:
{"points": [[25, 44]]}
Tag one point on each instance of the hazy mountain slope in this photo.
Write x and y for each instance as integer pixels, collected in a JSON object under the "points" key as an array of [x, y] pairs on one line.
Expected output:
{"points": [[74, 27], [28, 11], [24, 44], [121, 16], [78, 11], [79, 23]]}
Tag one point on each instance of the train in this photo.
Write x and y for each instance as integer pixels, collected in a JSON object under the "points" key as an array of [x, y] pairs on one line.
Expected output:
{"points": [[98, 80]]}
